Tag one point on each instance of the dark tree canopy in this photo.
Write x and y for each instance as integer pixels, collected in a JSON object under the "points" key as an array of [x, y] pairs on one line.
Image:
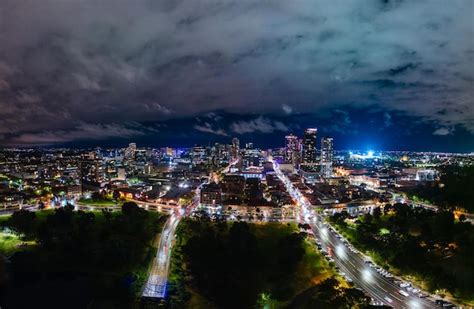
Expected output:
{"points": [[22, 221], [329, 294]]}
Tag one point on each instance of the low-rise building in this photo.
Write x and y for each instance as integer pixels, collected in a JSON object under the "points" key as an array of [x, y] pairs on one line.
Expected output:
{"points": [[211, 194]]}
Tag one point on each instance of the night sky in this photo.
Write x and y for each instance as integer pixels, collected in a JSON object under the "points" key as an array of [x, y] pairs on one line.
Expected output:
{"points": [[384, 75]]}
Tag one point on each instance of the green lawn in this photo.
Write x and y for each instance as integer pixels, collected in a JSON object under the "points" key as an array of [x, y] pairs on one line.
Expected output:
{"points": [[4, 218], [8, 243], [11, 243]]}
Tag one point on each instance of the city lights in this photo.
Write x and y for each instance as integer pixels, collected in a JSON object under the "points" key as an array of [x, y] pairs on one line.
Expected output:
{"points": [[255, 154]]}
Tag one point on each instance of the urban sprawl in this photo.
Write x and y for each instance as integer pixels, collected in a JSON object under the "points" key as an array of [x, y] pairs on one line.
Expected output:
{"points": [[305, 181]]}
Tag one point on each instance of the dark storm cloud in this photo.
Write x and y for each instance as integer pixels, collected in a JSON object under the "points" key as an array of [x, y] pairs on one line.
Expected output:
{"points": [[82, 132], [67, 63], [207, 128], [260, 124]]}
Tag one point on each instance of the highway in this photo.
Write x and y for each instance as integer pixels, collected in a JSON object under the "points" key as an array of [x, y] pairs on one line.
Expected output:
{"points": [[156, 284], [352, 264], [155, 287]]}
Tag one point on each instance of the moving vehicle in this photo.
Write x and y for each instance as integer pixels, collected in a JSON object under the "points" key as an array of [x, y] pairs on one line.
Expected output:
{"points": [[404, 293], [388, 299]]}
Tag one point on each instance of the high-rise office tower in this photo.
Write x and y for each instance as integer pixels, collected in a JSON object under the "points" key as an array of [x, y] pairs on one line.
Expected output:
{"points": [[293, 149], [327, 150], [327, 153], [309, 145], [130, 152], [235, 147]]}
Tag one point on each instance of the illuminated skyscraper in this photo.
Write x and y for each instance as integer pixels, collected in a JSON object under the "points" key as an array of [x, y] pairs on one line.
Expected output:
{"points": [[309, 145], [327, 150], [293, 149], [235, 147], [130, 152], [327, 154]]}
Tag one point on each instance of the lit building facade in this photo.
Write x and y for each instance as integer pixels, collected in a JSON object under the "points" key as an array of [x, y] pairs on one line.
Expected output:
{"points": [[235, 147], [293, 149], [309, 145], [327, 155]]}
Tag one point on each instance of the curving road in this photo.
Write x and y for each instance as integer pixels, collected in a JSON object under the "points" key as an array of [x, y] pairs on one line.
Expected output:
{"points": [[155, 286], [351, 263]]}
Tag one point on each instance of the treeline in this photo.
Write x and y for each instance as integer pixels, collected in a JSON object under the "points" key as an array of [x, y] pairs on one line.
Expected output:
{"points": [[242, 265], [455, 189], [83, 259], [433, 246], [330, 294], [228, 267]]}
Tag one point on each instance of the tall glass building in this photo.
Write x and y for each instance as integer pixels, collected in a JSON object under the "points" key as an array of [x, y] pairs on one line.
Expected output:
{"points": [[309, 145]]}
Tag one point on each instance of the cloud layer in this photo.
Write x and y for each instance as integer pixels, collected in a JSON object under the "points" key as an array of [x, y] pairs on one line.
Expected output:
{"points": [[64, 64], [82, 132]]}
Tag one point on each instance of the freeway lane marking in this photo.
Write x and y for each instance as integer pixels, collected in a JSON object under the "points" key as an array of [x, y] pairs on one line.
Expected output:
{"points": [[355, 271], [348, 270], [382, 285], [332, 239]]}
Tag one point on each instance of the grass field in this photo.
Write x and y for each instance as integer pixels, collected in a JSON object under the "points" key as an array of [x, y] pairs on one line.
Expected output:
{"points": [[10, 243]]}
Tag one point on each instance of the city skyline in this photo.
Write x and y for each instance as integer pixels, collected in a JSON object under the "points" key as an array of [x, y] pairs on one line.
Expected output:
{"points": [[227, 140], [383, 75], [235, 154], [305, 190]]}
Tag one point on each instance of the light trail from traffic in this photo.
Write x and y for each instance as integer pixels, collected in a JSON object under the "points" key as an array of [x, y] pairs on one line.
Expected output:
{"points": [[156, 284], [351, 264]]}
